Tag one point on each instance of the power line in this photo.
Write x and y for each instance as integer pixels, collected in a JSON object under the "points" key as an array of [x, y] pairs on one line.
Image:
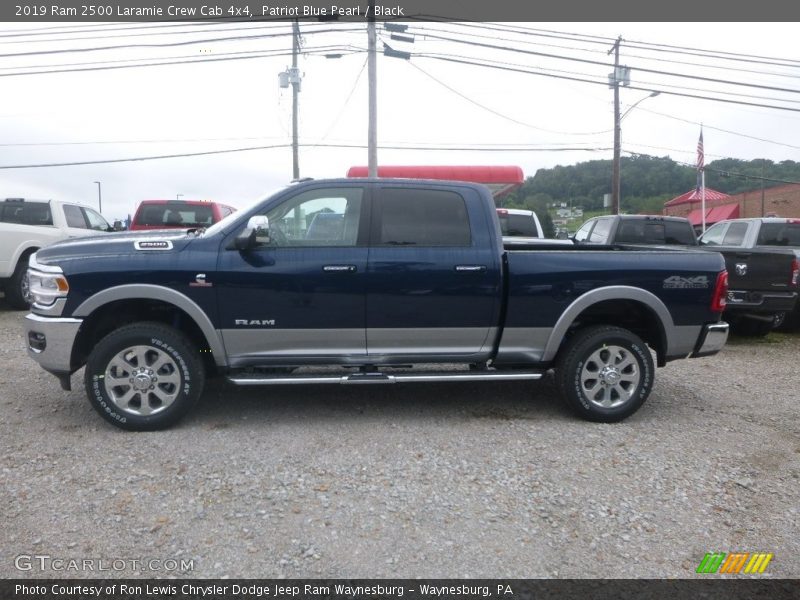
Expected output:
{"points": [[219, 58], [606, 64], [605, 41], [583, 80], [168, 44], [276, 146]]}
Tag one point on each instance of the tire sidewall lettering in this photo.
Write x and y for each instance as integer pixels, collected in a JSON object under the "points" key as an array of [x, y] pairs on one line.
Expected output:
{"points": [[158, 337]]}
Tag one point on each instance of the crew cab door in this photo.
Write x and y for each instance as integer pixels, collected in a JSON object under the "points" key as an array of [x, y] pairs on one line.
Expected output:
{"points": [[434, 273], [303, 294]]}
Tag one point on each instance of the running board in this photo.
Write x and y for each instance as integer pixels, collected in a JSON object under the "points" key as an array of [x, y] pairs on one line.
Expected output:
{"points": [[376, 378]]}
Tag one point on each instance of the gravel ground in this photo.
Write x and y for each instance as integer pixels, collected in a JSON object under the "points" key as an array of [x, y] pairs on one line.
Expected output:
{"points": [[444, 480]]}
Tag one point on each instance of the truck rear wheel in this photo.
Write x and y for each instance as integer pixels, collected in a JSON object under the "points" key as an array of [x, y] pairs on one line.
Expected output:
{"points": [[605, 373], [144, 376]]}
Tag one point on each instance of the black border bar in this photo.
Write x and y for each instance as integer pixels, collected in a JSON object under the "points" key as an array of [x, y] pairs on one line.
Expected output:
{"points": [[410, 589], [674, 11]]}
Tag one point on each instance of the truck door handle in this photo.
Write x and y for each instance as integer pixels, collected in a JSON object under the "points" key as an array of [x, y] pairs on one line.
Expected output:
{"points": [[339, 268], [470, 268]]}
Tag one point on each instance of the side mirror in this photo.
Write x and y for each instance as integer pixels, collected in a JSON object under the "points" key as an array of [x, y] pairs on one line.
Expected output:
{"points": [[255, 234]]}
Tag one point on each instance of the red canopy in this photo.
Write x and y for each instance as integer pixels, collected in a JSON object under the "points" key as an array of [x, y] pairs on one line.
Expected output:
{"points": [[715, 214]]}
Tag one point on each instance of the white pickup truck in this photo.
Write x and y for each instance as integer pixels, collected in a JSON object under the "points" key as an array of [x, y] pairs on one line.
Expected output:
{"points": [[28, 225]]}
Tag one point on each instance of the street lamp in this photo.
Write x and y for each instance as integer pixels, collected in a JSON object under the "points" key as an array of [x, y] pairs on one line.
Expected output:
{"points": [[178, 196], [637, 103], [615, 190], [99, 198]]}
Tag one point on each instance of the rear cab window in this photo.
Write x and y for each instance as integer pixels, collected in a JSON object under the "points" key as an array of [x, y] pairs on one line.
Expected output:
{"points": [[517, 225], [416, 217]]}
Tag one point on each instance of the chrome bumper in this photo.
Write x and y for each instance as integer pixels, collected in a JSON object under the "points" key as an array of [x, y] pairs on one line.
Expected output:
{"points": [[712, 339], [50, 340]]}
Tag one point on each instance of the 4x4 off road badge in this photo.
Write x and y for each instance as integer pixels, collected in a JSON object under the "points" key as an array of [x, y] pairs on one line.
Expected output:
{"points": [[678, 282]]}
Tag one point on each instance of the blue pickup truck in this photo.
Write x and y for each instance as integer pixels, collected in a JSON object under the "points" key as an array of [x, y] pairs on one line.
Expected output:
{"points": [[364, 282]]}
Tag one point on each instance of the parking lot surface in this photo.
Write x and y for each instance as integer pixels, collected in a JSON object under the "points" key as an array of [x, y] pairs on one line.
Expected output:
{"points": [[444, 480]]}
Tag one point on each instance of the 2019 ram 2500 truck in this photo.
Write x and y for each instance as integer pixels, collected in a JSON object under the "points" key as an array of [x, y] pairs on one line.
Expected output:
{"points": [[362, 281]]}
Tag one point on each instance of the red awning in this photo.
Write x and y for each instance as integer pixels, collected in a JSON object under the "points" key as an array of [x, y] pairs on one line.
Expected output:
{"points": [[720, 213], [715, 214]]}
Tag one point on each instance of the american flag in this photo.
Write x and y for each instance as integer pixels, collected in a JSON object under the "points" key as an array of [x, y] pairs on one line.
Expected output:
{"points": [[700, 154]]}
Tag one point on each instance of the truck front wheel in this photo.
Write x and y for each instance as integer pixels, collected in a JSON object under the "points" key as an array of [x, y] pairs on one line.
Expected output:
{"points": [[18, 293], [605, 373], [144, 376]]}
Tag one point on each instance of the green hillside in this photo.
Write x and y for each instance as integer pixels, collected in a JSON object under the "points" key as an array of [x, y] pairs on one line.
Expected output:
{"points": [[646, 183]]}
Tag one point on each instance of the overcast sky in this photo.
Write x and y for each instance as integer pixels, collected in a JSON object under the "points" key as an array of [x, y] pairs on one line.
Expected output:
{"points": [[427, 102]]}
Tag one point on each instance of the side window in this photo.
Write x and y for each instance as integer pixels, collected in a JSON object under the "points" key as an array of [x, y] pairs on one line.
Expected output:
{"points": [[324, 217], [583, 233], [37, 213], [634, 232], [95, 220], [713, 236], [600, 231], [74, 216], [735, 234], [413, 217]]}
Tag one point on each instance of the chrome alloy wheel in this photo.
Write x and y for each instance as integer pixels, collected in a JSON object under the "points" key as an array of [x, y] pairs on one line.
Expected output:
{"points": [[142, 380], [610, 376]]}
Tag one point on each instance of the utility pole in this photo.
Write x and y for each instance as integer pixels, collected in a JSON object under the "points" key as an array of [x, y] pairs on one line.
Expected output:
{"points": [[372, 133], [615, 185], [295, 91]]}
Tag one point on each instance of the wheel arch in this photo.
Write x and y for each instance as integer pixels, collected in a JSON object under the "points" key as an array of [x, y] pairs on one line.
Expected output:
{"points": [[118, 306], [635, 309]]}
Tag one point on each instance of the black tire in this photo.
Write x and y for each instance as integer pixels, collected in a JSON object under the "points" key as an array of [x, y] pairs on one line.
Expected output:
{"points": [[752, 327], [18, 293], [605, 373], [791, 322], [127, 392]]}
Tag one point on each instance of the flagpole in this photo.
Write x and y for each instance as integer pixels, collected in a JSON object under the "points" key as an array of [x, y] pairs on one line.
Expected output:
{"points": [[701, 178], [703, 197]]}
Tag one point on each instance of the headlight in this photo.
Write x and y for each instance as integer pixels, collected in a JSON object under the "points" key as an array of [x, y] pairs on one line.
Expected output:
{"points": [[47, 283]]}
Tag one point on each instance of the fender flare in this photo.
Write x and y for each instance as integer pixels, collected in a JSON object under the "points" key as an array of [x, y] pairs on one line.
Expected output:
{"points": [[156, 292], [614, 292]]}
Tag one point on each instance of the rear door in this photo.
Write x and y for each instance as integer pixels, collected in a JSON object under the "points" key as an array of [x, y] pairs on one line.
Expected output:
{"points": [[302, 295], [434, 273]]}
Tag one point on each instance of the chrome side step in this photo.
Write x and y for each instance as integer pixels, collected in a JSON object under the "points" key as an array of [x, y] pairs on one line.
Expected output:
{"points": [[383, 378]]}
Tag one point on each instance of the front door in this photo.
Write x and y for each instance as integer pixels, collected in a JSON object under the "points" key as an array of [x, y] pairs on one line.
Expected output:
{"points": [[302, 295]]}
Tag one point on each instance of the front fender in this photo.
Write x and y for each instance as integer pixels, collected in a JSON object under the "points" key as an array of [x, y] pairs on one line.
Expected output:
{"points": [[164, 294]]}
